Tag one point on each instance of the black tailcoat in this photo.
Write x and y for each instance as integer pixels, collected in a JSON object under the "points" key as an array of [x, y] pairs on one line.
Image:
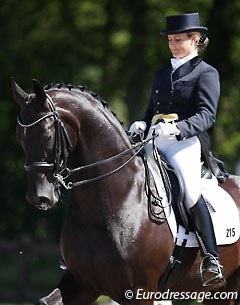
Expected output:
{"points": [[192, 92]]}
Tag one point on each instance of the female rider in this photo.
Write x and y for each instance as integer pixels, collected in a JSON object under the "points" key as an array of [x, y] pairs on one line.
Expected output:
{"points": [[183, 104]]}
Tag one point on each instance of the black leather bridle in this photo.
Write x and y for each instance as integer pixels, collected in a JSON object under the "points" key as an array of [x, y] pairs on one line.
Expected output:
{"points": [[62, 143]]}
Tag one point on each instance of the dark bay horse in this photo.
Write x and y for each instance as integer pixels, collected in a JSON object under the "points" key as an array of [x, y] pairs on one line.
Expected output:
{"points": [[109, 244]]}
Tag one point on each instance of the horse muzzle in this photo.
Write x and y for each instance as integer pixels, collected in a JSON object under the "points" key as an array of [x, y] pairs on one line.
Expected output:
{"points": [[41, 193], [42, 202]]}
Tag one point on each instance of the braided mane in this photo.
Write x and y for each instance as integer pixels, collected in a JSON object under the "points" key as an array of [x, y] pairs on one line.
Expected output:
{"points": [[84, 90]]}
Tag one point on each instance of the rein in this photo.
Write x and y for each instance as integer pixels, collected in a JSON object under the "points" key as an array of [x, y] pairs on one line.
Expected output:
{"points": [[70, 184], [63, 147]]}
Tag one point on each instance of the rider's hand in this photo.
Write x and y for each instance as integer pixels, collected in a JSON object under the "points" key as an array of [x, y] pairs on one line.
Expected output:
{"points": [[137, 127], [166, 129]]}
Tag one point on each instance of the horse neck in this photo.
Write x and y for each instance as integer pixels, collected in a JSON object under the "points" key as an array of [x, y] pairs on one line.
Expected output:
{"points": [[101, 135], [114, 204]]}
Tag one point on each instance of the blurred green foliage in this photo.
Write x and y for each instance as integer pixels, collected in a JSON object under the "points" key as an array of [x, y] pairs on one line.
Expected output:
{"points": [[114, 48], [41, 275]]}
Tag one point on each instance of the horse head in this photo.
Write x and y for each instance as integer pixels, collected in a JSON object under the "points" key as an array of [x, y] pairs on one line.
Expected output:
{"points": [[45, 142], [64, 126]]}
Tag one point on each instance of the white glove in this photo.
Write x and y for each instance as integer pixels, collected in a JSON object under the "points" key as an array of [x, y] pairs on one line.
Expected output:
{"points": [[137, 127], [166, 129]]}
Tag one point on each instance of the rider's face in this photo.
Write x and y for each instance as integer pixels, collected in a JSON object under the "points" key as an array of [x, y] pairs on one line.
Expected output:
{"points": [[181, 45]]}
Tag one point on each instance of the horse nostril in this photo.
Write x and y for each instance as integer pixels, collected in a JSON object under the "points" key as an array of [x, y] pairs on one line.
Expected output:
{"points": [[43, 203]]}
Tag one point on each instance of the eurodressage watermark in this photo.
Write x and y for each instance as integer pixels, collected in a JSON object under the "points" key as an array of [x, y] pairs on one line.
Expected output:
{"points": [[140, 294]]}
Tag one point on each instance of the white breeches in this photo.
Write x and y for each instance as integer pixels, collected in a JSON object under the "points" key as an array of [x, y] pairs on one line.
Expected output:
{"points": [[185, 157]]}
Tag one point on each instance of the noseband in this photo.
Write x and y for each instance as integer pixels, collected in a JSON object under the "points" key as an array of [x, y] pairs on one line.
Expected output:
{"points": [[62, 143]]}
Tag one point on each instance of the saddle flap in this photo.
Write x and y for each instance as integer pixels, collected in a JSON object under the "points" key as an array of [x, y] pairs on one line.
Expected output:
{"points": [[223, 210]]}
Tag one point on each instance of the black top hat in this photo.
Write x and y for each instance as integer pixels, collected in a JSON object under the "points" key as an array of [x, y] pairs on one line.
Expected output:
{"points": [[183, 23]]}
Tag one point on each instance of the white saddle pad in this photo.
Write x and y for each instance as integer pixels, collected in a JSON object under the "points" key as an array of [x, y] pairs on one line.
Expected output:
{"points": [[223, 210]]}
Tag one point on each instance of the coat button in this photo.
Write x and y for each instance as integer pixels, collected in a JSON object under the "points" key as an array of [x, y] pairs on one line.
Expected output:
{"points": [[157, 91], [157, 111], [158, 103]]}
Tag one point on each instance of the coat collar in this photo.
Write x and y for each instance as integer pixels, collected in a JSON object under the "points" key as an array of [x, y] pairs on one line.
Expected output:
{"points": [[186, 68]]}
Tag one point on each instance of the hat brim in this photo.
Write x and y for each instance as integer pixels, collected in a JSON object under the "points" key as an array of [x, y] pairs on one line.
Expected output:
{"points": [[201, 29]]}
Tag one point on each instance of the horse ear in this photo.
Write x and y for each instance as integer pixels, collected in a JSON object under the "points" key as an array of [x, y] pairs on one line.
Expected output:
{"points": [[18, 94], [39, 91]]}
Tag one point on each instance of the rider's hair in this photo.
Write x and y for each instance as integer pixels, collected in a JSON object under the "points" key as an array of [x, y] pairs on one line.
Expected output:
{"points": [[202, 40]]}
